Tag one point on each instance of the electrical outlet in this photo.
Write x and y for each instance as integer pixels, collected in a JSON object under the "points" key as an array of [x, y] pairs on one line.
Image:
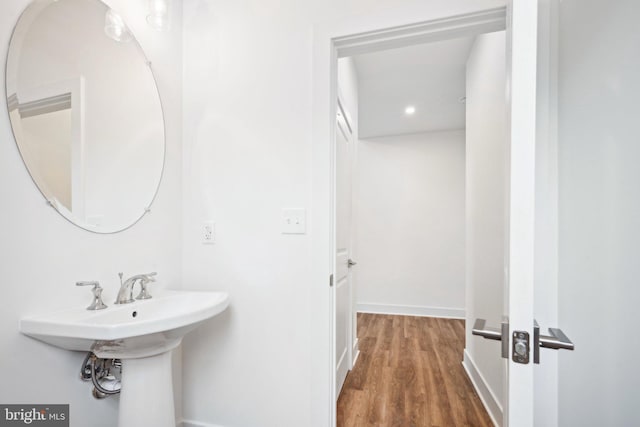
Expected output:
{"points": [[208, 232]]}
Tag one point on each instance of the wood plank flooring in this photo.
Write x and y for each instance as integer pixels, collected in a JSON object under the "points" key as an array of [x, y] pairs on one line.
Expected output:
{"points": [[409, 373]]}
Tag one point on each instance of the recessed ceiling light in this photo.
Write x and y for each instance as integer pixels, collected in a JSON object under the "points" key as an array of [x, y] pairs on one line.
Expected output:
{"points": [[410, 110]]}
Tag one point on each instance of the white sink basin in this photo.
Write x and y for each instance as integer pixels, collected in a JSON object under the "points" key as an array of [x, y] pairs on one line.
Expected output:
{"points": [[139, 329], [141, 334]]}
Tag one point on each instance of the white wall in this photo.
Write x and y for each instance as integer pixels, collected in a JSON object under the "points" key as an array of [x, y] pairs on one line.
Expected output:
{"points": [[248, 153], [486, 183], [599, 205], [246, 126], [42, 255], [410, 224]]}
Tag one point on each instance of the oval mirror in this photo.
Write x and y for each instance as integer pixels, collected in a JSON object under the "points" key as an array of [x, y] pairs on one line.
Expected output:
{"points": [[85, 112]]}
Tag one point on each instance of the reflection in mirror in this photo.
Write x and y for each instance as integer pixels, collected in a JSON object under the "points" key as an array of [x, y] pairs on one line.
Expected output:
{"points": [[85, 112]]}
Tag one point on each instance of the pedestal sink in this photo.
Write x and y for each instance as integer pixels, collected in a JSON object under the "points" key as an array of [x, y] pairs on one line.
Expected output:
{"points": [[141, 334]]}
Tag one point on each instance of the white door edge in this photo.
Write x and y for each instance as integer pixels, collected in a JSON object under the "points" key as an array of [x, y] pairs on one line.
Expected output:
{"points": [[522, 24]]}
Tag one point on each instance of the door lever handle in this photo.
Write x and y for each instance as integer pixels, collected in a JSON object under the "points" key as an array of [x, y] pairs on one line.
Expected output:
{"points": [[481, 330], [351, 263], [502, 334], [556, 341]]}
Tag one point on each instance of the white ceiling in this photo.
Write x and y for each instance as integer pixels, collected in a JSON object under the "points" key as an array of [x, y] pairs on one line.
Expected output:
{"points": [[430, 77]]}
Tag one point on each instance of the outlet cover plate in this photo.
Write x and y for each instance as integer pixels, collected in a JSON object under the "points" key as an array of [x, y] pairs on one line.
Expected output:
{"points": [[208, 232]]}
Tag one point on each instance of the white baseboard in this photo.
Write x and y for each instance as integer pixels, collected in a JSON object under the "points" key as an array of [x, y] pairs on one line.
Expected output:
{"points": [[342, 369], [487, 396], [355, 352], [191, 423], [411, 310]]}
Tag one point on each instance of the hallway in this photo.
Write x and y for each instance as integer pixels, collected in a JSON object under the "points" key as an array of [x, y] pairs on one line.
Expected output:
{"points": [[409, 373]]}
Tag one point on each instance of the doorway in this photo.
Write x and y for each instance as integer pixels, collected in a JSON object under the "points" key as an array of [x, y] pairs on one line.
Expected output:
{"points": [[454, 23], [405, 209], [529, 24]]}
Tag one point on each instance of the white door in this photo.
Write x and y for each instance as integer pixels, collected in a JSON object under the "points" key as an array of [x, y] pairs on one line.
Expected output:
{"points": [[531, 246], [599, 212], [343, 282], [574, 252]]}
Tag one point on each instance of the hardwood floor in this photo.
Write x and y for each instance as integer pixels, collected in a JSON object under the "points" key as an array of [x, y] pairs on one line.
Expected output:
{"points": [[409, 373]]}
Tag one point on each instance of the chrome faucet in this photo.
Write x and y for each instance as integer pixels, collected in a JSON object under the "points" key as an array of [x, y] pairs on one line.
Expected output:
{"points": [[125, 295]]}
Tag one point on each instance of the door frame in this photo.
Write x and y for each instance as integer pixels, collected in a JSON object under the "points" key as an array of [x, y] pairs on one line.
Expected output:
{"points": [[395, 28]]}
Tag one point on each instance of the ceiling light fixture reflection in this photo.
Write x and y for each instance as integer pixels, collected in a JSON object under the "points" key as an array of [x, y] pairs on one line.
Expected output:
{"points": [[410, 110], [115, 28], [158, 17]]}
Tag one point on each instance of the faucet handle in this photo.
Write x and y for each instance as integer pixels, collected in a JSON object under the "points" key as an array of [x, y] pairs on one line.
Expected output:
{"points": [[144, 293], [97, 303], [93, 283]]}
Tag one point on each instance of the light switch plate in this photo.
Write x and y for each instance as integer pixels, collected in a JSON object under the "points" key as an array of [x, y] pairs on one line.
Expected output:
{"points": [[294, 221]]}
